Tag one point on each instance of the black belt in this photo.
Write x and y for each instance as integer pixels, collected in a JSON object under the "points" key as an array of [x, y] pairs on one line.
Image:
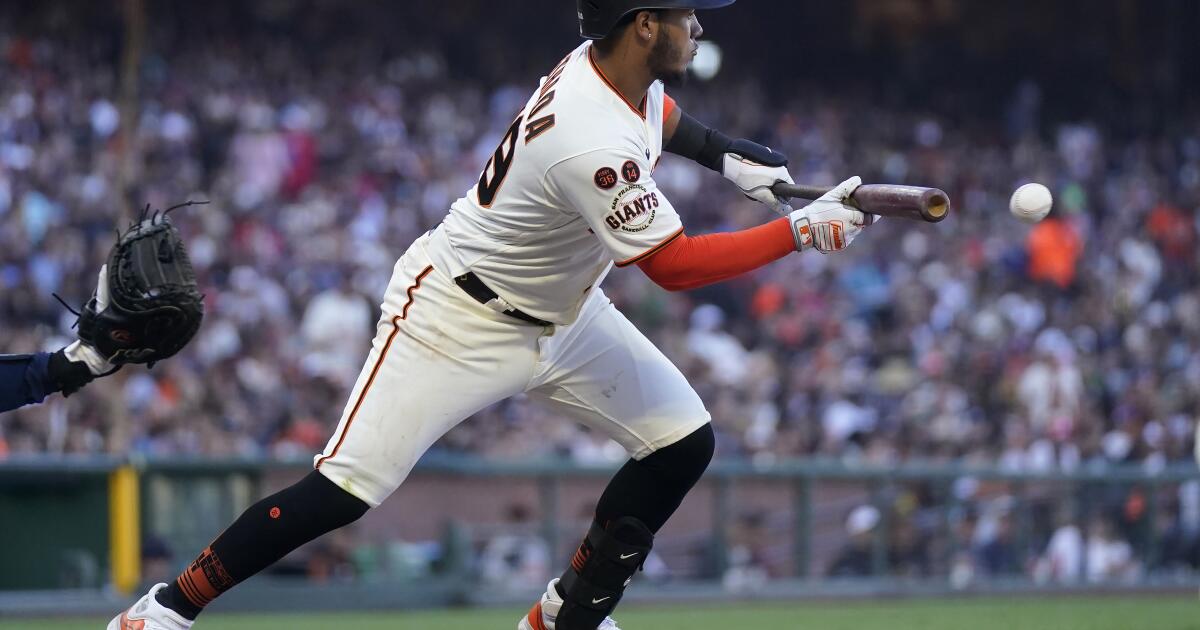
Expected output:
{"points": [[475, 288]]}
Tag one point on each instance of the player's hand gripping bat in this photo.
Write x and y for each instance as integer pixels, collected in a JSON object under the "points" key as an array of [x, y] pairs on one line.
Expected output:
{"points": [[888, 200]]}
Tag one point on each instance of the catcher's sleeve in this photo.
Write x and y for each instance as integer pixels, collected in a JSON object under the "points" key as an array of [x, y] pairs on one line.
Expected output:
{"points": [[690, 262], [24, 379]]}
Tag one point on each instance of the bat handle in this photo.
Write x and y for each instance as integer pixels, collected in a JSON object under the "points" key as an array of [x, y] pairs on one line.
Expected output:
{"points": [[798, 191], [809, 192]]}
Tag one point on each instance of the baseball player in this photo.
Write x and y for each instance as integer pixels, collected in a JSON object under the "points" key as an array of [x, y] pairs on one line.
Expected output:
{"points": [[146, 310], [503, 298]]}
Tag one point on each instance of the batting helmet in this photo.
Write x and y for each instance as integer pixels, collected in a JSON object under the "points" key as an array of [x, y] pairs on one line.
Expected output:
{"points": [[598, 17]]}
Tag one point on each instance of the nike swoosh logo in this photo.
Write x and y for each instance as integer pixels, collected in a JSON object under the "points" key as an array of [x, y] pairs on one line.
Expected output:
{"points": [[597, 601], [627, 556]]}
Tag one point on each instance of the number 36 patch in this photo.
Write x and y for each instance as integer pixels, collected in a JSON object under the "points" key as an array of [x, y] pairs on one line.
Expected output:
{"points": [[605, 178]]}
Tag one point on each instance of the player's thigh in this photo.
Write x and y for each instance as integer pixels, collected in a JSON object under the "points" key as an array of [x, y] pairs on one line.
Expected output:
{"points": [[435, 360], [605, 373]]}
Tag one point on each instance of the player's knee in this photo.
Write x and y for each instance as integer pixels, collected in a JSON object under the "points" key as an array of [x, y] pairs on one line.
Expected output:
{"points": [[689, 457], [701, 446], [322, 499]]}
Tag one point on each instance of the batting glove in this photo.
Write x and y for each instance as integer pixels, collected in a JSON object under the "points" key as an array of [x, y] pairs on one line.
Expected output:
{"points": [[755, 179], [84, 353], [829, 224]]}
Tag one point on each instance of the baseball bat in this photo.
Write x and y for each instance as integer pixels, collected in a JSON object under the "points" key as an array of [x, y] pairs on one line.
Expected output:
{"points": [[888, 200]]}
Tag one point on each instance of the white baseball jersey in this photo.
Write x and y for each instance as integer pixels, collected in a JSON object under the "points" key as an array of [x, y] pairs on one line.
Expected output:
{"points": [[567, 193]]}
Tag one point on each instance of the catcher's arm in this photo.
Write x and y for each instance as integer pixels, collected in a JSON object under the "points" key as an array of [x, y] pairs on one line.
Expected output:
{"points": [[25, 379]]}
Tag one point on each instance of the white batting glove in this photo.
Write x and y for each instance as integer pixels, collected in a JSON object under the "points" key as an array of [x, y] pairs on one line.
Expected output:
{"points": [[755, 180], [82, 352], [828, 224]]}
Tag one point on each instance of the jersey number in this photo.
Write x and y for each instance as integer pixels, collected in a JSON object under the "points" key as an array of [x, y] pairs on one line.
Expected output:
{"points": [[498, 165], [502, 159]]}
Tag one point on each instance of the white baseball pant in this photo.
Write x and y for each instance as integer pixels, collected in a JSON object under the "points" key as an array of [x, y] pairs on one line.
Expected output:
{"points": [[439, 356]]}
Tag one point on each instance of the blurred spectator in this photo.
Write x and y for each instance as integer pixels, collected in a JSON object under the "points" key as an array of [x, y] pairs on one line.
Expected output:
{"points": [[1178, 545], [332, 321], [856, 557], [156, 559], [519, 555], [996, 551], [1063, 559], [722, 352], [908, 550], [332, 557], [1054, 249], [748, 555], [1109, 558]]}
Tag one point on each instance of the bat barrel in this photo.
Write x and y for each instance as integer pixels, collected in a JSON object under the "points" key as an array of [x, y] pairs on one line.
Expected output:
{"points": [[936, 205], [914, 202]]}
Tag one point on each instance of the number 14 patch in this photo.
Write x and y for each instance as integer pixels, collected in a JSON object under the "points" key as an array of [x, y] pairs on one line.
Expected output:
{"points": [[630, 171]]}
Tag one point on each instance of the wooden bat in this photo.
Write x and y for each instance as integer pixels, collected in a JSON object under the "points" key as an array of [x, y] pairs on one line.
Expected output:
{"points": [[888, 200]]}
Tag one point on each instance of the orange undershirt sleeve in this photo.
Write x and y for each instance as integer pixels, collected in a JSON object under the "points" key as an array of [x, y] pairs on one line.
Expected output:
{"points": [[690, 262]]}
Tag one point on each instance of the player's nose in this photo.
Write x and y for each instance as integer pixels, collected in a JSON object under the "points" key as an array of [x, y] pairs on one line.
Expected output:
{"points": [[697, 30]]}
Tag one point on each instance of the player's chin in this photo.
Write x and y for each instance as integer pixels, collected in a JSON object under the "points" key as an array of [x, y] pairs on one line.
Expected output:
{"points": [[674, 78]]}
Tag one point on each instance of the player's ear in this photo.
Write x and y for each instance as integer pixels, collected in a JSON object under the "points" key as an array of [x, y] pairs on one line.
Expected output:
{"points": [[646, 25]]}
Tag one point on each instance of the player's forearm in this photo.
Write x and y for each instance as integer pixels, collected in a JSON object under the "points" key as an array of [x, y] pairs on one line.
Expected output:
{"points": [[693, 140], [26, 379], [23, 379], [690, 262]]}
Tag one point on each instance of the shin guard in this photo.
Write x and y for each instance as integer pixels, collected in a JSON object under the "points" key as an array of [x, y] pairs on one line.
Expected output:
{"points": [[600, 571]]}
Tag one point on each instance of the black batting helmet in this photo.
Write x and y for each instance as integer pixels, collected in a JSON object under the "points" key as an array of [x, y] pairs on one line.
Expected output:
{"points": [[598, 17]]}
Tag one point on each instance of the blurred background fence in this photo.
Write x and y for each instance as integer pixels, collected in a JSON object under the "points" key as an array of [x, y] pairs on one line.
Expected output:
{"points": [[794, 529]]}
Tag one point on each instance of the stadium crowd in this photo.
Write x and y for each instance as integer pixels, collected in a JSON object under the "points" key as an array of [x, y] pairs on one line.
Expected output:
{"points": [[1069, 343], [979, 338]]}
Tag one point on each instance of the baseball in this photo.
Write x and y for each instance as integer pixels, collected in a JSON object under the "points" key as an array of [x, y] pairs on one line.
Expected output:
{"points": [[1031, 203]]}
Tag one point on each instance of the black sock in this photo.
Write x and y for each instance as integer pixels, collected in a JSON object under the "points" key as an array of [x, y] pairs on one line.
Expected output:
{"points": [[262, 535]]}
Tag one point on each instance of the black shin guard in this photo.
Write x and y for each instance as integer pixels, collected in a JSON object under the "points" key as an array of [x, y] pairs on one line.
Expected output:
{"points": [[600, 571]]}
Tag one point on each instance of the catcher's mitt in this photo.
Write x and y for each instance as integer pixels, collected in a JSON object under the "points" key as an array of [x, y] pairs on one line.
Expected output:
{"points": [[153, 307]]}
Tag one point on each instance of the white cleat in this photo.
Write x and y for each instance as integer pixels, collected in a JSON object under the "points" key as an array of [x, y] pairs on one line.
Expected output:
{"points": [[148, 614], [541, 616]]}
